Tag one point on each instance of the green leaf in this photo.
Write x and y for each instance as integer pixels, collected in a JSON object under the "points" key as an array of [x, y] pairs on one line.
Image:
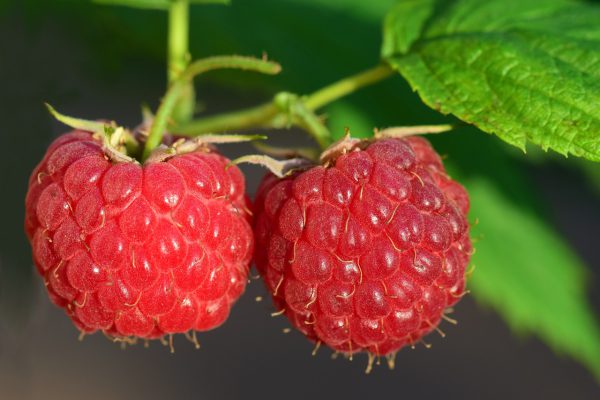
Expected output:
{"points": [[530, 276], [525, 70], [155, 4], [399, 35]]}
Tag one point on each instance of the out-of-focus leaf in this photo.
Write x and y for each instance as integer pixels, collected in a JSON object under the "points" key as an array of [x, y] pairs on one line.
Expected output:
{"points": [[525, 70], [343, 115], [154, 4], [3, 6], [144, 4], [530, 276], [316, 41]]}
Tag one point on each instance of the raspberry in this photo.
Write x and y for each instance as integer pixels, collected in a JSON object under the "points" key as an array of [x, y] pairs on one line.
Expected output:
{"points": [[134, 250], [365, 252]]}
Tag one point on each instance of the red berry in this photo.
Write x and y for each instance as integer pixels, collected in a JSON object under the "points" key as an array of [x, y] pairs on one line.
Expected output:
{"points": [[365, 252], [138, 250]]}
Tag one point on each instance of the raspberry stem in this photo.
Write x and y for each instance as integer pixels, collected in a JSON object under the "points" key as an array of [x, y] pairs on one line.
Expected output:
{"points": [[295, 112], [273, 115], [178, 56], [177, 88], [254, 117], [347, 86]]}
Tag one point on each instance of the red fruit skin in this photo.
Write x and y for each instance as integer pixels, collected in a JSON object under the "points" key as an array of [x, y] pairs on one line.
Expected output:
{"points": [[139, 250], [366, 252]]}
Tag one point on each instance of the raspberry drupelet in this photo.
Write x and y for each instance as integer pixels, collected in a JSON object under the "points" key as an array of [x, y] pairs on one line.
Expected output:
{"points": [[138, 250], [367, 251]]}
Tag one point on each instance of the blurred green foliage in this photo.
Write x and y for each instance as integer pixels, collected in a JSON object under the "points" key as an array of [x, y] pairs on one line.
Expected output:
{"points": [[524, 269], [154, 4]]}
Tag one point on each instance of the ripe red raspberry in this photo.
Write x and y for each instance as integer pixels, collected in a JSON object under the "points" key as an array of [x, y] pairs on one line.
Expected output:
{"points": [[138, 250], [365, 252]]}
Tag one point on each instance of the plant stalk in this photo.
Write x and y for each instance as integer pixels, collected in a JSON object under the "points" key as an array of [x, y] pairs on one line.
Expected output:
{"points": [[258, 116], [169, 103], [346, 86], [178, 59], [265, 115]]}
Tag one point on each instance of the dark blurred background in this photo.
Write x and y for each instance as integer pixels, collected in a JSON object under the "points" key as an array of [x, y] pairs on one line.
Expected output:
{"points": [[87, 62]]}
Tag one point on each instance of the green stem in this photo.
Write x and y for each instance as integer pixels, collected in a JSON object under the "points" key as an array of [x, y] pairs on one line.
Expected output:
{"points": [[178, 38], [255, 116], [310, 122], [231, 62], [346, 86], [265, 115], [169, 102], [178, 56]]}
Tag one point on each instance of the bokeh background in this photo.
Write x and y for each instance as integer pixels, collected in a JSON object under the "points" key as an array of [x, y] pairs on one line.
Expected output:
{"points": [[104, 62]]}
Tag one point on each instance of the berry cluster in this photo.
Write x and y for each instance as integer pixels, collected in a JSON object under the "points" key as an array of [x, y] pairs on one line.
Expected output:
{"points": [[362, 253], [365, 252], [137, 250]]}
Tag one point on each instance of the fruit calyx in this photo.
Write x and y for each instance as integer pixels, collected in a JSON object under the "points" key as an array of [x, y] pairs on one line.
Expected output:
{"points": [[348, 144], [297, 159], [204, 143], [118, 143], [122, 145]]}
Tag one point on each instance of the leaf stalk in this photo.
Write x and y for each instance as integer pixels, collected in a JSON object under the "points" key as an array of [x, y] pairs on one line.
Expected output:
{"points": [[296, 110]]}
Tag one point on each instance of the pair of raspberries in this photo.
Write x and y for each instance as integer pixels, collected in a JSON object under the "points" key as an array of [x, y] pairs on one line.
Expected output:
{"points": [[362, 253]]}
